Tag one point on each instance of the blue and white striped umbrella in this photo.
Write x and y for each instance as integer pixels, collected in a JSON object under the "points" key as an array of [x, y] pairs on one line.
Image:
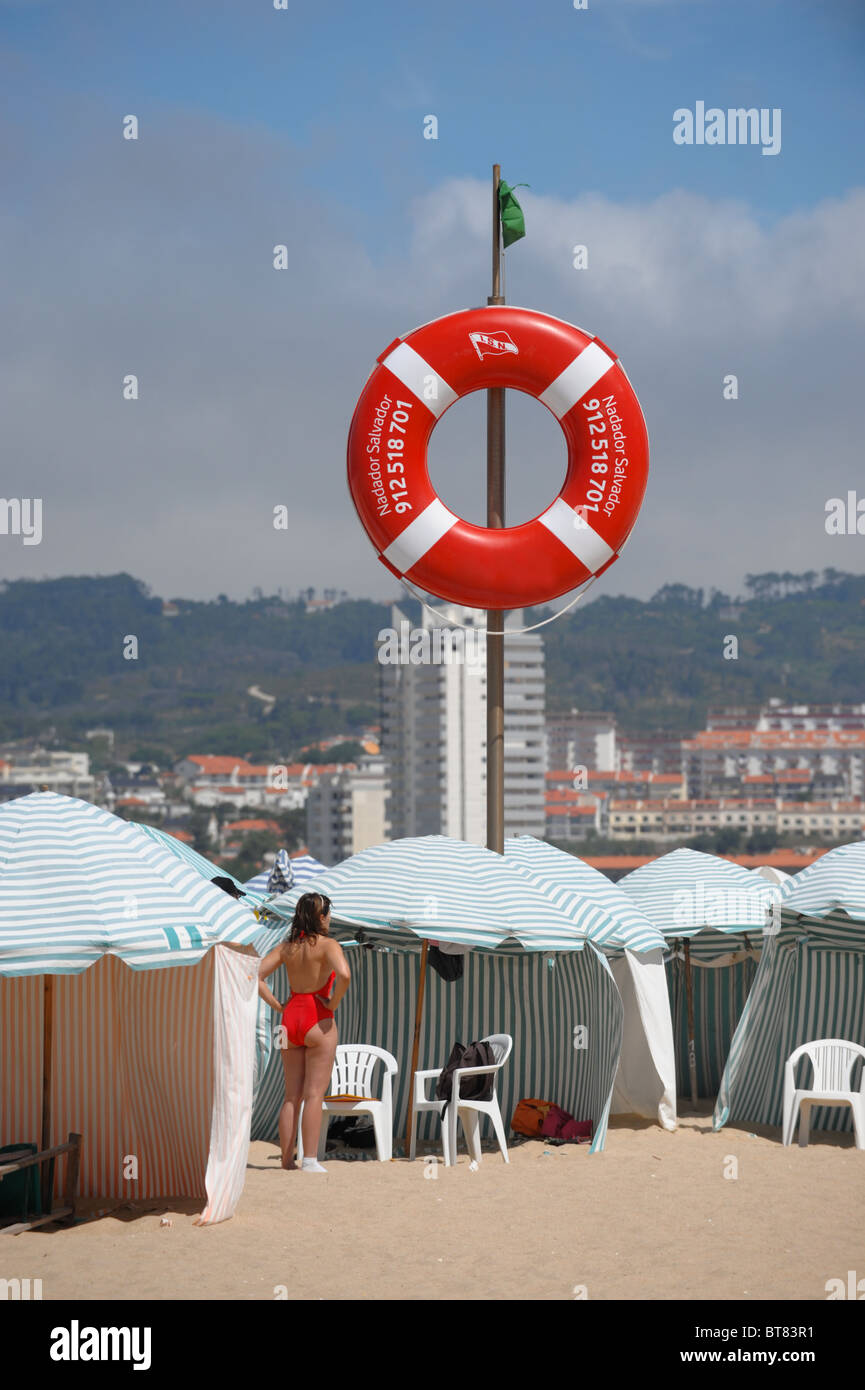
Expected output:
{"points": [[686, 892], [584, 894], [827, 899], [303, 868], [444, 889], [77, 883]]}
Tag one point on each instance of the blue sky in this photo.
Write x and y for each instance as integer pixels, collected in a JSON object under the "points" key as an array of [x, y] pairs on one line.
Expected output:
{"points": [[568, 100], [305, 126]]}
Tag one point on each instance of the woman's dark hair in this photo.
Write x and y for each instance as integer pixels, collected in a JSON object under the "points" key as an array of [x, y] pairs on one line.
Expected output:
{"points": [[310, 909]]}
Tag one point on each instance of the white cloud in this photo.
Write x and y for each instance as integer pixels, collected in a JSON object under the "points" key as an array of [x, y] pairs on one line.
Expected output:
{"points": [[155, 258]]}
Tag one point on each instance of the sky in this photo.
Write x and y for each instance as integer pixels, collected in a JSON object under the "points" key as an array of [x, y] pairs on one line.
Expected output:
{"points": [[304, 126]]}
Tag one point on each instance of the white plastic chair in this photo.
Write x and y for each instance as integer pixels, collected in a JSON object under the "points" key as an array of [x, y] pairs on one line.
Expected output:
{"points": [[469, 1111], [352, 1076], [832, 1060]]}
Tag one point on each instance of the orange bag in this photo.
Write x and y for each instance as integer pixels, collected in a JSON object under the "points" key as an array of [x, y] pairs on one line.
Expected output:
{"points": [[529, 1116]]}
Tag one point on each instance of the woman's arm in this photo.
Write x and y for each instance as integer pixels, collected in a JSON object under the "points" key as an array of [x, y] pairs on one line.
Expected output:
{"points": [[343, 974], [266, 967]]}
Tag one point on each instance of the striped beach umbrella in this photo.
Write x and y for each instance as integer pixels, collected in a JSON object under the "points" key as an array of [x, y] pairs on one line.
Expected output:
{"points": [[611, 920], [77, 882], [83, 893], [810, 984], [436, 888], [691, 897]]}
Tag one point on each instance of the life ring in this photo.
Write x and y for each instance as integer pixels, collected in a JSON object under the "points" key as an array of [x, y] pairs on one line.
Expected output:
{"points": [[574, 375]]}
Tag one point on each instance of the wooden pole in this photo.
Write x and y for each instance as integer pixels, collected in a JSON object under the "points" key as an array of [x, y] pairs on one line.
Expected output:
{"points": [[418, 1014], [47, 1053], [689, 995], [495, 617]]}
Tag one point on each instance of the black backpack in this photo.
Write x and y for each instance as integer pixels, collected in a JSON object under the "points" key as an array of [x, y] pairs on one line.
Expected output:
{"points": [[477, 1054]]}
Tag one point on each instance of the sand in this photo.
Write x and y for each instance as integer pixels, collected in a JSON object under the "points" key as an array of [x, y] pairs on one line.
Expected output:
{"points": [[653, 1217]]}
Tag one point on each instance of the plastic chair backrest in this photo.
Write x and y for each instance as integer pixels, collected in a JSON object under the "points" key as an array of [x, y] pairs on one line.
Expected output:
{"points": [[354, 1066], [501, 1044], [833, 1060]]}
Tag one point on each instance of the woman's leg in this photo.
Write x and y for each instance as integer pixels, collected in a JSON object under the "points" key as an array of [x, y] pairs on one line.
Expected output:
{"points": [[294, 1066], [320, 1047]]}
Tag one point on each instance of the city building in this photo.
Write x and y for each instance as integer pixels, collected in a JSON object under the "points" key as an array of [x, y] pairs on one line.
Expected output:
{"points": [[37, 769], [432, 685], [581, 739], [716, 762], [345, 812]]}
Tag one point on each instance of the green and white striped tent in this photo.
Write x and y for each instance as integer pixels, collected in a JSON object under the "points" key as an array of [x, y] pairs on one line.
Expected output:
{"points": [[810, 984], [720, 909], [530, 970], [137, 978], [646, 1078]]}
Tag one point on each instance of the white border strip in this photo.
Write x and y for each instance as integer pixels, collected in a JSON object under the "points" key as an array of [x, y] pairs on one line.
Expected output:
{"points": [[569, 525], [420, 378], [579, 377], [419, 536]]}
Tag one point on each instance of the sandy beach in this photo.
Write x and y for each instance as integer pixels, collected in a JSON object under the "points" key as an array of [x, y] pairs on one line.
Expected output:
{"points": [[653, 1217]]}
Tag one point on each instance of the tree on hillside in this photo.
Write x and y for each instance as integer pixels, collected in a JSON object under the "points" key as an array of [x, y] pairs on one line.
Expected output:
{"points": [[679, 593]]}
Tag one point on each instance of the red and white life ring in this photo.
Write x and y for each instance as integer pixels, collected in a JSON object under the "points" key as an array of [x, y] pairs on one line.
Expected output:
{"points": [[577, 377]]}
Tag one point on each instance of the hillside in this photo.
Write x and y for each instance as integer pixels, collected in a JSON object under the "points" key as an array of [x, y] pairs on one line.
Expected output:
{"points": [[656, 664]]}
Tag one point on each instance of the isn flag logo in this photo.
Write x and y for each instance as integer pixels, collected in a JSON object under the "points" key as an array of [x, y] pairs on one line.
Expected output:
{"points": [[492, 344]]}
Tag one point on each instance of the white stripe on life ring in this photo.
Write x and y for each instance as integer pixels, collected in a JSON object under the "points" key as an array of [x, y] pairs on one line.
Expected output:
{"points": [[420, 378], [569, 525], [419, 536], [579, 377]]}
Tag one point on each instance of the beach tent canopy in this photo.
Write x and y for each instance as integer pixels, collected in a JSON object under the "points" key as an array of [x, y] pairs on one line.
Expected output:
{"points": [[608, 917], [140, 979], [685, 893], [439, 888], [531, 970], [810, 984], [646, 1079], [720, 909]]}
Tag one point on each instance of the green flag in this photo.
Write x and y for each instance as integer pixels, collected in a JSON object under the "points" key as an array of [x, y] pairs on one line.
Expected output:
{"points": [[513, 222]]}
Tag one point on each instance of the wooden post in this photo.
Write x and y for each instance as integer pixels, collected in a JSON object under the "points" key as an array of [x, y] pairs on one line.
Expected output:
{"points": [[73, 1165], [47, 1054], [418, 1014], [689, 995], [495, 617]]}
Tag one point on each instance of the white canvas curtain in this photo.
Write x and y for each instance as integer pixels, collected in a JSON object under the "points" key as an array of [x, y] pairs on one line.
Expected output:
{"points": [[646, 1077]]}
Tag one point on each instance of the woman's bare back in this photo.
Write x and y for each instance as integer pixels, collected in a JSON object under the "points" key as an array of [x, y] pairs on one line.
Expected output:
{"points": [[308, 964]]}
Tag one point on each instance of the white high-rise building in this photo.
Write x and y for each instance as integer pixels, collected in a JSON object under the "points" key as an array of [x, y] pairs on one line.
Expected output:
{"points": [[345, 812], [433, 714]]}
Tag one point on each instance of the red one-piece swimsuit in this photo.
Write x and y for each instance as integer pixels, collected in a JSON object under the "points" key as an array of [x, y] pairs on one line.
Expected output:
{"points": [[304, 1011]]}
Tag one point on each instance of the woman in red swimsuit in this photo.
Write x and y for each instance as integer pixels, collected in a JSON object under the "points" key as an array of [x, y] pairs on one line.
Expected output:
{"points": [[308, 1036]]}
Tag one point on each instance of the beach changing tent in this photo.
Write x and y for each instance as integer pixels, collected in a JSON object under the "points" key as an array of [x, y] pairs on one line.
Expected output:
{"points": [[810, 984], [137, 979], [720, 909], [646, 1077], [529, 970]]}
